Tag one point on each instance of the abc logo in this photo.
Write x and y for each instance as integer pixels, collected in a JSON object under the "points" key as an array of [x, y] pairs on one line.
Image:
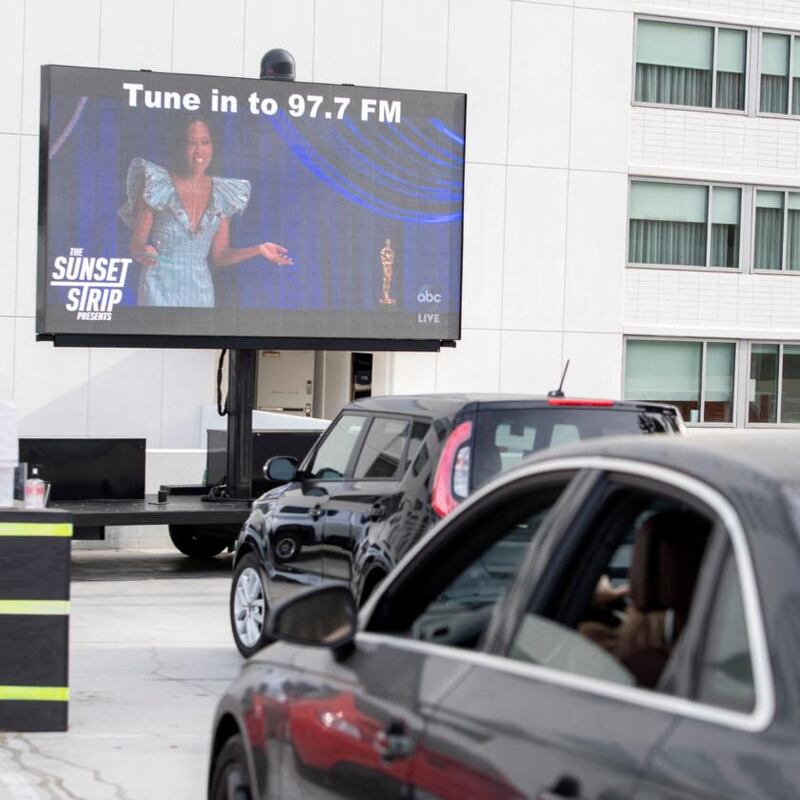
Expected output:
{"points": [[428, 296]]}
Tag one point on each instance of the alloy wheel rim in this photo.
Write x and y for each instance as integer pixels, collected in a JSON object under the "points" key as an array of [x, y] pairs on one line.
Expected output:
{"points": [[248, 607]]}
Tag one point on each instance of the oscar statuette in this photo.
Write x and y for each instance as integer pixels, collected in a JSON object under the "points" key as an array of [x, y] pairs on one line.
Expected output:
{"points": [[387, 264]]}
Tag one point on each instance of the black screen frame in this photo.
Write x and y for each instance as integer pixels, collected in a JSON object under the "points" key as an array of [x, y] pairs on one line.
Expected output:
{"points": [[193, 340]]}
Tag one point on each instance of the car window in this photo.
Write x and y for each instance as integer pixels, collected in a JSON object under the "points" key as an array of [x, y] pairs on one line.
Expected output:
{"points": [[630, 593], [461, 608], [336, 449], [382, 454], [725, 675], [504, 436]]}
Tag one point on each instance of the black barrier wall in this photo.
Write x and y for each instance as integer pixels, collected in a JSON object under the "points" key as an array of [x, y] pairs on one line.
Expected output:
{"points": [[34, 620]]}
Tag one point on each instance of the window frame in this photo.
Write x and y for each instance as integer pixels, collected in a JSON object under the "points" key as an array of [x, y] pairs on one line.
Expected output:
{"points": [[709, 186], [786, 191], [760, 38], [703, 360], [410, 419], [715, 26], [753, 721], [779, 398]]}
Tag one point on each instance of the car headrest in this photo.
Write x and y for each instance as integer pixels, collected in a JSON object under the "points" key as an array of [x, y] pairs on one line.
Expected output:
{"points": [[667, 553]]}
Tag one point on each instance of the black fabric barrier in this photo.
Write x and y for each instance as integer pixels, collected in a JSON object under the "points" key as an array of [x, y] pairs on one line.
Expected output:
{"points": [[34, 620]]}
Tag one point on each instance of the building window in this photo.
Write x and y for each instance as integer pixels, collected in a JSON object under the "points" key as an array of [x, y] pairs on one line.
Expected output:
{"points": [[697, 377], [669, 224], [777, 232], [690, 65], [774, 385], [780, 74]]}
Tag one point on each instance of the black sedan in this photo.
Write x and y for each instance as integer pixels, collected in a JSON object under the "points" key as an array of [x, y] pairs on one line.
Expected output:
{"points": [[617, 619]]}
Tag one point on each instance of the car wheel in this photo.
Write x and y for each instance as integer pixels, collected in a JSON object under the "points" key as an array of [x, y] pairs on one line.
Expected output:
{"points": [[197, 542], [286, 547], [248, 606], [230, 780]]}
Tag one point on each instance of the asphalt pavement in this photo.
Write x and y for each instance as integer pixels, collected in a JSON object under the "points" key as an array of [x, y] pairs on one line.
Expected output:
{"points": [[150, 653]]}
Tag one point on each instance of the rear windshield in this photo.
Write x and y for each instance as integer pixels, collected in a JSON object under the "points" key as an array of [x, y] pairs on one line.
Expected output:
{"points": [[503, 437]]}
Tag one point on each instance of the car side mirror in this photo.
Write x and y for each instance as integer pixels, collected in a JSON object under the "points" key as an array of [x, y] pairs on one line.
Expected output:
{"points": [[323, 616], [281, 469]]}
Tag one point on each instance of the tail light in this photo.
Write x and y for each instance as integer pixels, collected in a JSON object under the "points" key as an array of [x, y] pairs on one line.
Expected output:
{"points": [[451, 482]]}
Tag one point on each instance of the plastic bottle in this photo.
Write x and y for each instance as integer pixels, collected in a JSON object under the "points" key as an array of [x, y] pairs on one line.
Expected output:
{"points": [[34, 490]]}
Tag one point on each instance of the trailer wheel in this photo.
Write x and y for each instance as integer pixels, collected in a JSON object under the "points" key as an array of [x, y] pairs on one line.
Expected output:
{"points": [[197, 541]]}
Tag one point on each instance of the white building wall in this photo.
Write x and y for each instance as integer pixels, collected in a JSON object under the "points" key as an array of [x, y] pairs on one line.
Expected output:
{"points": [[699, 145], [551, 141]]}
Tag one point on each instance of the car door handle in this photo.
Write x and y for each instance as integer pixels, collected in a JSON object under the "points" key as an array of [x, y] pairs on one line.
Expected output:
{"points": [[394, 742], [565, 788], [316, 512]]}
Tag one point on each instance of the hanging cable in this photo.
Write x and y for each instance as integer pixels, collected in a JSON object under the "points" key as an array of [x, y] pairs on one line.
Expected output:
{"points": [[222, 411]]}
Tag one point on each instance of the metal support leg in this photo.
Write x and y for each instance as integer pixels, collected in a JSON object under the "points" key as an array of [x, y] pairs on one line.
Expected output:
{"points": [[241, 399]]}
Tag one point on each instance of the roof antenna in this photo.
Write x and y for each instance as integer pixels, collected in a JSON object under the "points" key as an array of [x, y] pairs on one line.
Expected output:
{"points": [[558, 392]]}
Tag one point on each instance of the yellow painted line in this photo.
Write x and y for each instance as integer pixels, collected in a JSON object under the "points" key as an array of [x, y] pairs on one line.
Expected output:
{"points": [[36, 607], [59, 694], [36, 529]]}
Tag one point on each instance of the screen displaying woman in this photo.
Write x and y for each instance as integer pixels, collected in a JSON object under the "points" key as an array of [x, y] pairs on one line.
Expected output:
{"points": [[180, 217]]}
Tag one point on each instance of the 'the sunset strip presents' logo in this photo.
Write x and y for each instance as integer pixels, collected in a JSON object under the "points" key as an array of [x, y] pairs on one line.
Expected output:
{"points": [[95, 283]]}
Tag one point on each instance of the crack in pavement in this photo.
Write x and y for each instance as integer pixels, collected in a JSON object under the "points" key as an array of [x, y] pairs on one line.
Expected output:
{"points": [[194, 682], [48, 782]]}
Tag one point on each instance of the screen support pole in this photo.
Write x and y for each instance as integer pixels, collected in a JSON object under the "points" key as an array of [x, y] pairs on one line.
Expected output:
{"points": [[241, 400]]}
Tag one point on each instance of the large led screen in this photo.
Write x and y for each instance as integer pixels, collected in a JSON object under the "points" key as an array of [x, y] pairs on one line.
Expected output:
{"points": [[199, 210]]}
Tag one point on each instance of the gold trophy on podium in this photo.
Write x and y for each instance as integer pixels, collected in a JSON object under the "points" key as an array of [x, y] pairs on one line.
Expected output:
{"points": [[387, 264]]}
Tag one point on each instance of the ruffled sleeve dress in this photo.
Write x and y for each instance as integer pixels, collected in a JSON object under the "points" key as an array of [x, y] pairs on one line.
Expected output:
{"points": [[181, 275]]}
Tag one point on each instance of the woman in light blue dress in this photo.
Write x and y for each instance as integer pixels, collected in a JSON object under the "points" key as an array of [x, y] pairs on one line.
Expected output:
{"points": [[181, 221]]}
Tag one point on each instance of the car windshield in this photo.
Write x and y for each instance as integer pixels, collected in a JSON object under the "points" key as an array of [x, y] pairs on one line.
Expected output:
{"points": [[505, 436]]}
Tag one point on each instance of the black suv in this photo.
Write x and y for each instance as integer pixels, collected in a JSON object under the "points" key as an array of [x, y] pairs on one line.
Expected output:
{"points": [[386, 469]]}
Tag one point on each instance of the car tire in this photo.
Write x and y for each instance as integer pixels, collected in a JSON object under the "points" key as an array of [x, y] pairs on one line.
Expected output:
{"points": [[248, 606], [286, 548], [229, 776], [196, 541]]}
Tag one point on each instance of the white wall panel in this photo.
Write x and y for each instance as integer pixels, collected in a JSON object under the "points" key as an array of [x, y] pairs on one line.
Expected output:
{"points": [[530, 361], [726, 146], [189, 381], [478, 64], [28, 217], [12, 38], [608, 5], [51, 389], [56, 33], [533, 283], [7, 349], [287, 25], [125, 388], [472, 366], [774, 13], [601, 89], [595, 365], [347, 41], [541, 66], [413, 373], [484, 205], [414, 44], [9, 197], [595, 251], [747, 305], [136, 35], [207, 39]]}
